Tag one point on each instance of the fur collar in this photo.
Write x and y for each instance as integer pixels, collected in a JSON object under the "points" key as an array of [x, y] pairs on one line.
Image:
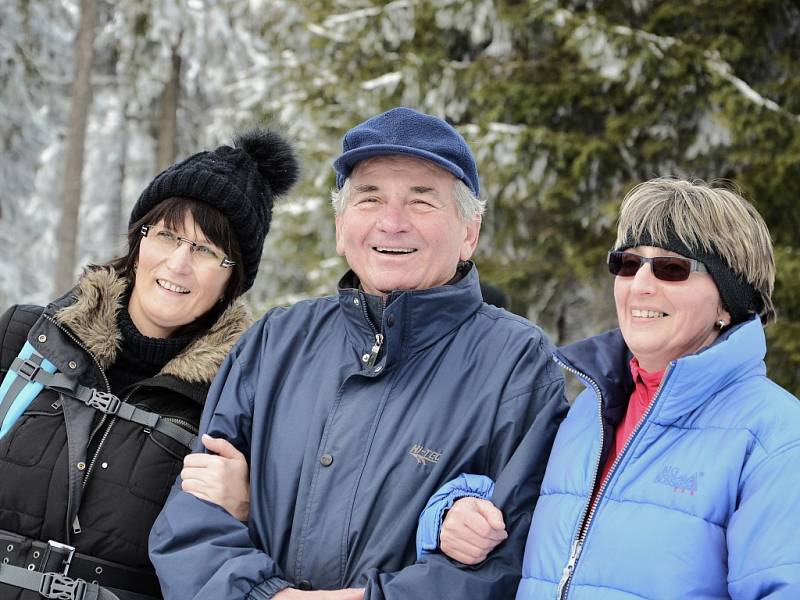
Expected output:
{"points": [[92, 317]]}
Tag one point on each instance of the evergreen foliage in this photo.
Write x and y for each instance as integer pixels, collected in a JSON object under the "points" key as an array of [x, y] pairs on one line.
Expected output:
{"points": [[566, 104]]}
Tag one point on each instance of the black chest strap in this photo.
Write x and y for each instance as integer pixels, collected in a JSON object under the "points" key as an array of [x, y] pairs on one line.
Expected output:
{"points": [[105, 402]]}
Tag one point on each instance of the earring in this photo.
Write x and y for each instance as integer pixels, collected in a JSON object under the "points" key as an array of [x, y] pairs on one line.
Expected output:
{"points": [[720, 324]]}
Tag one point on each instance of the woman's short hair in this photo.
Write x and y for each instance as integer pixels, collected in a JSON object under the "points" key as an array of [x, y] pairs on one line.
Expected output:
{"points": [[708, 218], [172, 213]]}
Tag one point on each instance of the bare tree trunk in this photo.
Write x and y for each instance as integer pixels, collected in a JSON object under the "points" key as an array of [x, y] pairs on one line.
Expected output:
{"points": [[76, 137], [561, 324], [168, 116], [117, 223]]}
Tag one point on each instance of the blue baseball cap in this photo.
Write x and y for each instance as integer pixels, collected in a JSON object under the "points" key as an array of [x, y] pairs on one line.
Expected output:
{"points": [[407, 131]]}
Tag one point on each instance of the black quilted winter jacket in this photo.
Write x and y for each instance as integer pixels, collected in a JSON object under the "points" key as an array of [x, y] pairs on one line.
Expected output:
{"points": [[93, 481]]}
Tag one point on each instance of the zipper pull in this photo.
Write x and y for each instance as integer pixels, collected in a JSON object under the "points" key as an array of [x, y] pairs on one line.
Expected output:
{"points": [[373, 354], [76, 525], [577, 546]]}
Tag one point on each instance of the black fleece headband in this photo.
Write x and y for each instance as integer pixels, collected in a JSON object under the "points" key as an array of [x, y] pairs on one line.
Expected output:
{"points": [[739, 298]]}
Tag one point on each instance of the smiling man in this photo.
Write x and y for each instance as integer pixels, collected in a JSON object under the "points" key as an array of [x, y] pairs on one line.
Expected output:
{"points": [[352, 410], [398, 224]]}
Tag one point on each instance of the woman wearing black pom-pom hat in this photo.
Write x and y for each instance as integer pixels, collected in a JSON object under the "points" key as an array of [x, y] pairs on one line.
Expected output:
{"points": [[102, 390]]}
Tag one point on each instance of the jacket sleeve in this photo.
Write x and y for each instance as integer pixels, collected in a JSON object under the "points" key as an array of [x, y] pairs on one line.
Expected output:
{"points": [[430, 521], [189, 531], [763, 551], [524, 434]]}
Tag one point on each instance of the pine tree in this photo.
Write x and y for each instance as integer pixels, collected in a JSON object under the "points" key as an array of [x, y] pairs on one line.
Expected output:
{"points": [[567, 106]]}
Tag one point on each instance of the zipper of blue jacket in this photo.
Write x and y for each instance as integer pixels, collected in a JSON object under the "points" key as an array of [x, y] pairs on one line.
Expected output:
{"points": [[372, 357], [585, 522]]}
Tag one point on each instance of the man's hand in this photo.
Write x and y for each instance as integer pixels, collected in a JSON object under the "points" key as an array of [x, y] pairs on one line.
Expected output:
{"points": [[471, 529], [221, 478], [293, 594]]}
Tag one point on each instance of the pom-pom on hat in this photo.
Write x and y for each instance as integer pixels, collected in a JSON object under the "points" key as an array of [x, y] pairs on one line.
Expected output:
{"points": [[240, 181], [407, 131]]}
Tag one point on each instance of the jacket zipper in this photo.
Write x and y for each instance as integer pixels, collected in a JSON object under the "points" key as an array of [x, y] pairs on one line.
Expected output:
{"points": [[580, 538], [371, 358], [183, 423], [103, 440], [76, 525], [85, 349], [376, 348]]}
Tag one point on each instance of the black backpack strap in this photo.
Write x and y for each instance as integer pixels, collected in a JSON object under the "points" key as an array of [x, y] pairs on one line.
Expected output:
{"points": [[53, 585], [19, 382], [58, 558], [105, 402]]}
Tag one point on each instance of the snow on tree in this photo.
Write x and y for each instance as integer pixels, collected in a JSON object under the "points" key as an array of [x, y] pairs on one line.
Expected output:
{"points": [[566, 105]]}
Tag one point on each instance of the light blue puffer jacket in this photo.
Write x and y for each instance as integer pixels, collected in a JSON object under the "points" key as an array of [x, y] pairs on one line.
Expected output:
{"points": [[704, 501]]}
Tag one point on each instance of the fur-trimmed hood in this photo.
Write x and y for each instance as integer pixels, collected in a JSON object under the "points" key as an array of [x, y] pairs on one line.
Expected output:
{"points": [[92, 316]]}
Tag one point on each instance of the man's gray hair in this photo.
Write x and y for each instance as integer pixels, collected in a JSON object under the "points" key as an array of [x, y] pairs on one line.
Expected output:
{"points": [[469, 206]]}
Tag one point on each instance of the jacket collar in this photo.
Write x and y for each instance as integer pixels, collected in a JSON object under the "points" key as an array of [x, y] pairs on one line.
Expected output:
{"points": [[89, 311], [412, 319], [688, 382]]}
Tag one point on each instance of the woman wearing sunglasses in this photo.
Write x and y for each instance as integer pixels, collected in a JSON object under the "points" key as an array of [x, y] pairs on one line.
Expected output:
{"points": [[103, 389], [675, 473]]}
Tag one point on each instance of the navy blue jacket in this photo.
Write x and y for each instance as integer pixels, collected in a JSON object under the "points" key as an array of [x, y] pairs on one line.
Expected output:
{"points": [[344, 454]]}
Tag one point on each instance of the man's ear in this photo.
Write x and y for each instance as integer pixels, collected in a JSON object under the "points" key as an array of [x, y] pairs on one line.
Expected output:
{"points": [[471, 234]]}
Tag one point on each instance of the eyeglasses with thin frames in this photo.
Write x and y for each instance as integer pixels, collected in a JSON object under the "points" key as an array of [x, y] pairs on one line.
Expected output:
{"points": [[665, 268], [202, 254]]}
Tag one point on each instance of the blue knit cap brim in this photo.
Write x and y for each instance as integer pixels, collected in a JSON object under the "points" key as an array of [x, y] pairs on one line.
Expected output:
{"points": [[411, 133], [347, 161]]}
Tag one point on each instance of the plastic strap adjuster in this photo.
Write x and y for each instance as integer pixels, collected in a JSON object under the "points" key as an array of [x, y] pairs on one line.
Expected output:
{"points": [[65, 551], [27, 369], [105, 402], [61, 587]]}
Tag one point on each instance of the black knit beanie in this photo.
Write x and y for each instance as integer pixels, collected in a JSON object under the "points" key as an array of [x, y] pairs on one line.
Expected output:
{"points": [[739, 297], [240, 181]]}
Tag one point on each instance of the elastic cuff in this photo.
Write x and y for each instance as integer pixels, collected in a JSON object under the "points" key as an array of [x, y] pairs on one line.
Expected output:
{"points": [[268, 588], [430, 521], [430, 543]]}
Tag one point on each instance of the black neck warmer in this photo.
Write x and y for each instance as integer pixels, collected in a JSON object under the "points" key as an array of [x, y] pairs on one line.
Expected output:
{"points": [[140, 356]]}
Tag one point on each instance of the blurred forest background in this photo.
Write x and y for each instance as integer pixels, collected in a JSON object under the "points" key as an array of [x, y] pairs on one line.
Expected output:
{"points": [[566, 104]]}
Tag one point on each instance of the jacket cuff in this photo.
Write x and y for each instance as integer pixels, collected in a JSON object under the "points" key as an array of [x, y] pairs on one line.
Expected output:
{"points": [[430, 521], [268, 588]]}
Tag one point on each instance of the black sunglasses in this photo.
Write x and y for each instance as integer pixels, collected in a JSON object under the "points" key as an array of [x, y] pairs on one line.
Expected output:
{"points": [[666, 268]]}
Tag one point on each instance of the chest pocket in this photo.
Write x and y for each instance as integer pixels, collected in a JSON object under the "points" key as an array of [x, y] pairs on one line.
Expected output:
{"points": [[159, 460], [37, 433]]}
